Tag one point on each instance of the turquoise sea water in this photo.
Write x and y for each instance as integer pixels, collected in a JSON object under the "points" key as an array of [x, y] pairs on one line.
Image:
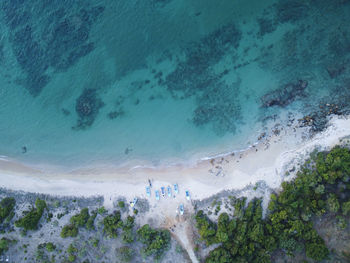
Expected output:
{"points": [[84, 83]]}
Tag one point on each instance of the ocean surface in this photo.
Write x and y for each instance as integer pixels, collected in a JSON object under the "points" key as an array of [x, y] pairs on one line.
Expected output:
{"points": [[86, 83]]}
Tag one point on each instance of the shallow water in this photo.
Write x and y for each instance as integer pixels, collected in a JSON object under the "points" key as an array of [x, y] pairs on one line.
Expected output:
{"points": [[88, 83]]}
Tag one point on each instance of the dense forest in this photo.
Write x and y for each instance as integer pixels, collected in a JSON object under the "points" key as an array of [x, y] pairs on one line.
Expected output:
{"points": [[322, 186]]}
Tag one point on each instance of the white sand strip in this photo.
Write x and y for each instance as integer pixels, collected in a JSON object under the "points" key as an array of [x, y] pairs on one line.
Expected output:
{"points": [[230, 172]]}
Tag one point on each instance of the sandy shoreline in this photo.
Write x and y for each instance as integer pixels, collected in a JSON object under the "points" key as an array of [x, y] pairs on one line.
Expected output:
{"points": [[258, 163], [265, 164]]}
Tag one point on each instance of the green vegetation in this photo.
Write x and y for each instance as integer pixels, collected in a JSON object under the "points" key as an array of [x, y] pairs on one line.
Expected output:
{"points": [[125, 254], [69, 231], [79, 220], [102, 210], [128, 235], [121, 204], [6, 207], [72, 253], [90, 224], [156, 241], [111, 223], [95, 242], [206, 228], [321, 186], [50, 247], [4, 245], [41, 254], [83, 219], [31, 218]]}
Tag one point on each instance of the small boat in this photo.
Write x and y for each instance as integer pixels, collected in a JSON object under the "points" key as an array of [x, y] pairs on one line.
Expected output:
{"points": [[188, 195], [181, 208], [176, 189], [162, 189], [157, 194], [148, 191], [169, 191]]}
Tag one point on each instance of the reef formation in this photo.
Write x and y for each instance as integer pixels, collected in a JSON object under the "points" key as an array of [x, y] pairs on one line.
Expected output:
{"points": [[216, 101], [87, 107], [56, 42]]}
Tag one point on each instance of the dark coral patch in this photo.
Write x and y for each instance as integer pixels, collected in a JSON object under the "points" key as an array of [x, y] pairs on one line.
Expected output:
{"points": [[87, 107], [291, 11], [58, 41], [284, 95], [194, 77]]}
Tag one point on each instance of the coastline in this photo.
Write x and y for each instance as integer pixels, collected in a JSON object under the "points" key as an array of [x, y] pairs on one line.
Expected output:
{"points": [[255, 172], [267, 161]]}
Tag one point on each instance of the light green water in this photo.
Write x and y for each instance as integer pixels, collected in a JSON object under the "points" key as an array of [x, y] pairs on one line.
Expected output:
{"points": [[172, 80]]}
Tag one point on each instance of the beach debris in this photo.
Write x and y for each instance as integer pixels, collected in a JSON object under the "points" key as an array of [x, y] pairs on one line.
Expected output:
{"points": [[261, 136]]}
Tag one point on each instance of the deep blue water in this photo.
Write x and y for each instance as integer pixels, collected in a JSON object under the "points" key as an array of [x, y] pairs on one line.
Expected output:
{"points": [[106, 82]]}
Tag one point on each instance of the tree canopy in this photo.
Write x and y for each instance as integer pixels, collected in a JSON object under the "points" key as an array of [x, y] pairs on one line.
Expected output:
{"points": [[321, 186]]}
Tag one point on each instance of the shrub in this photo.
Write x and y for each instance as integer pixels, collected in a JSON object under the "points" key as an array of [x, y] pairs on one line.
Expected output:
{"points": [[31, 219], [79, 220], [121, 204], [71, 258], [91, 221], [102, 210], [4, 245], [156, 241], [332, 203], [111, 223], [69, 231], [346, 208], [316, 251], [125, 254], [50, 247], [6, 206]]}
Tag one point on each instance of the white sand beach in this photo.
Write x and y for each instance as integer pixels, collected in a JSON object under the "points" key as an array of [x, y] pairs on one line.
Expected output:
{"points": [[267, 161]]}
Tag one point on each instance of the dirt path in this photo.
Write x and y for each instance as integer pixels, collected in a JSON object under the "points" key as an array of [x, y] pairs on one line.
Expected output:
{"points": [[181, 229]]}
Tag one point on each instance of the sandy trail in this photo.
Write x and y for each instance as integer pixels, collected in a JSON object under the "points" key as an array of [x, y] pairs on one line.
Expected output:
{"points": [[180, 228]]}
